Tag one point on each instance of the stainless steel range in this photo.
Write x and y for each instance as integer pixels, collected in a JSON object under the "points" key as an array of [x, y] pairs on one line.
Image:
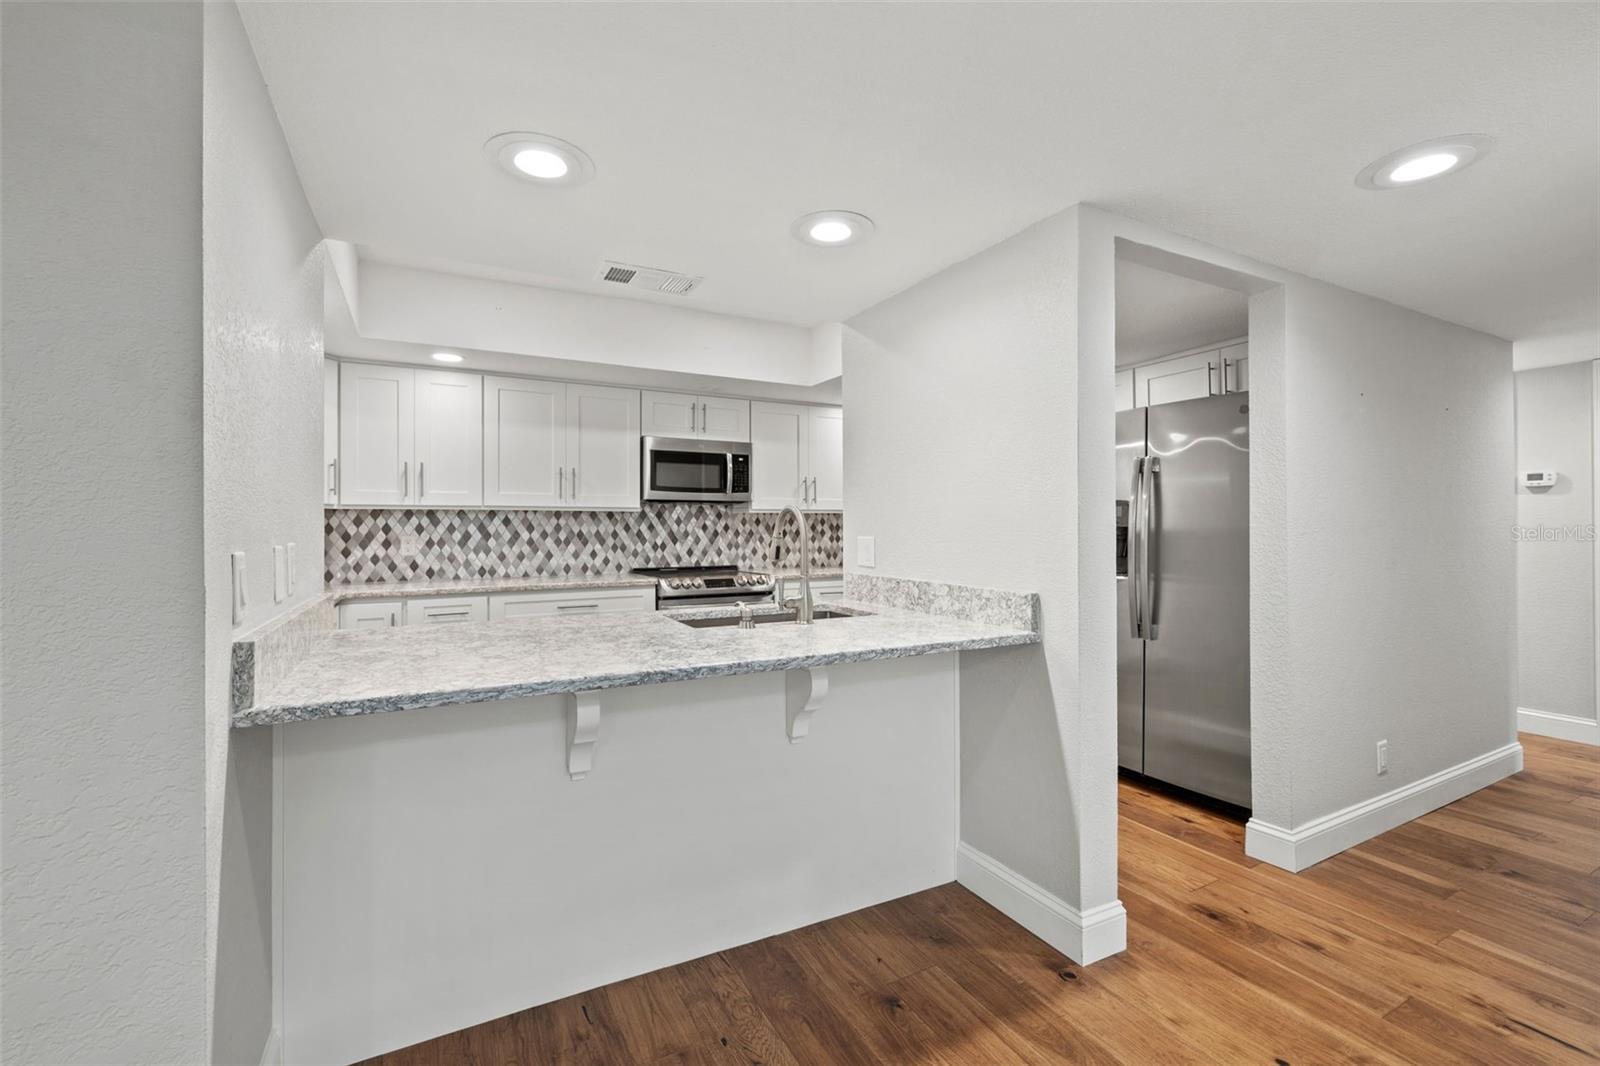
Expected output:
{"points": [[699, 586]]}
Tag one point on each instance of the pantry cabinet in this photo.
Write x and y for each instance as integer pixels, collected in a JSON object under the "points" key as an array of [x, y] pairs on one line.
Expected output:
{"points": [[797, 457]]}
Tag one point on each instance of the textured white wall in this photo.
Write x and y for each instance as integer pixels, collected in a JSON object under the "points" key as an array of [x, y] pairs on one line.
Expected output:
{"points": [[263, 481], [1555, 577], [102, 932], [961, 458], [449, 310]]}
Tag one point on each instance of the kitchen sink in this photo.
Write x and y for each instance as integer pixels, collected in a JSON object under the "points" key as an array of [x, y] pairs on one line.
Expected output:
{"points": [[771, 617]]}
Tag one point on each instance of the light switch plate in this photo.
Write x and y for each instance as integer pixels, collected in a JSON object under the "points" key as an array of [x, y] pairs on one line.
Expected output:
{"points": [[236, 560], [280, 574], [866, 551]]}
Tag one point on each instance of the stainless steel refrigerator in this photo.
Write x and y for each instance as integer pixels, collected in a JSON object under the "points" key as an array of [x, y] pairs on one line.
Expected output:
{"points": [[1183, 603]]}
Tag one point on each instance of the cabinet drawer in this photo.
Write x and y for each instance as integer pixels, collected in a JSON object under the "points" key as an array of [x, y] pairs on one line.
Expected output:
{"points": [[370, 614], [439, 610], [504, 605]]}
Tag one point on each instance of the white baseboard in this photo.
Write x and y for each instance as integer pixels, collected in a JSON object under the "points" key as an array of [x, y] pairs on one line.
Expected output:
{"points": [[272, 1051], [1560, 726], [1296, 849], [1082, 936]]}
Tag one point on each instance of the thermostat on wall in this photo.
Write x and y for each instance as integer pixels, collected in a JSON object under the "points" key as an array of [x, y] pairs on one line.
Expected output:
{"points": [[1539, 479]]}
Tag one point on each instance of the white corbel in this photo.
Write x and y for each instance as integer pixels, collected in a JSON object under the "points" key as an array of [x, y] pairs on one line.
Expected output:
{"points": [[583, 729], [804, 692]]}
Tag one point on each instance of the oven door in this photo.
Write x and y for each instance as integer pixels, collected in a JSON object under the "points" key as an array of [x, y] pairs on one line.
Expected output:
{"points": [[679, 468]]}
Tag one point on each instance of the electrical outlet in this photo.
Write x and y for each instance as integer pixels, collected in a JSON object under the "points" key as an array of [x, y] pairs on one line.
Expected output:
{"points": [[280, 574], [866, 551], [1383, 757], [410, 544]]}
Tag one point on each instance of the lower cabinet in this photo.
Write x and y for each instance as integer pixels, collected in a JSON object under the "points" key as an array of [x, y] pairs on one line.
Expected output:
{"points": [[439, 610], [504, 605], [822, 590], [370, 614]]}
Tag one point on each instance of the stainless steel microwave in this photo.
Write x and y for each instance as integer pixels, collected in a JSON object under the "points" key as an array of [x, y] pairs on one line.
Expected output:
{"points": [[695, 470]]}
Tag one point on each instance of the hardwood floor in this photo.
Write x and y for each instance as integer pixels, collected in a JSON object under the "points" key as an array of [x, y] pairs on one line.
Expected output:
{"points": [[1469, 936]]}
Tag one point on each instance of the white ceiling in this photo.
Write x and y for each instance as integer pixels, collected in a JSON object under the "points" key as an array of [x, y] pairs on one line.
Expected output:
{"points": [[1160, 313], [953, 125]]}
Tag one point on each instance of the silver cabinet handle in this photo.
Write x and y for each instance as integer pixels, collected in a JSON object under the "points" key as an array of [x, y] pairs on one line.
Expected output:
{"points": [[561, 483], [814, 496], [405, 480], [422, 468], [393, 619], [449, 614], [577, 607], [703, 424], [574, 484], [333, 477], [692, 427], [1211, 373], [1135, 516], [1227, 364], [805, 491]]}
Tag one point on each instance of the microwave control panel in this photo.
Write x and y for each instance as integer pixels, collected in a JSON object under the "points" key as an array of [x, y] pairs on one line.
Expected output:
{"points": [[740, 475]]}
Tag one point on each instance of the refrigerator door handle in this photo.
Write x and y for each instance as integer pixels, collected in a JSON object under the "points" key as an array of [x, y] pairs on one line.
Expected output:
{"points": [[1135, 518], [1147, 596]]}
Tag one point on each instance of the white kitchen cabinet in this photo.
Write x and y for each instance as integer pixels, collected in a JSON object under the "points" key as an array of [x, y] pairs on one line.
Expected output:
{"points": [[441, 610], [504, 605], [330, 433], [1125, 390], [825, 449], [376, 426], [797, 457], [371, 614], [602, 447], [676, 414], [823, 590], [1236, 368], [524, 443], [449, 439], [778, 455], [1187, 377]]}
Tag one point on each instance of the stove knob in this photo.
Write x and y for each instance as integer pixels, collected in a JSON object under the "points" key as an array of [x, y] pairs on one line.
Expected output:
{"points": [[699, 582], [741, 580], [674, 583]]}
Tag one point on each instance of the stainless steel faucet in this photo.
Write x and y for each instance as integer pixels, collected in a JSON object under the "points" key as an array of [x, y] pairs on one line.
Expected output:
{"points": [[802, 602]]}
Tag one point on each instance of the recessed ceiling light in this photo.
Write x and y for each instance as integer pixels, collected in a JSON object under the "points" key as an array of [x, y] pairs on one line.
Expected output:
{"points": [[447, 357], [540, 158], [1420, 162], [832, 228]]}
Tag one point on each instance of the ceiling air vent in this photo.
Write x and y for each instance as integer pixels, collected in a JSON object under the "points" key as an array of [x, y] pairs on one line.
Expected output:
{"points": [[648, 279]]}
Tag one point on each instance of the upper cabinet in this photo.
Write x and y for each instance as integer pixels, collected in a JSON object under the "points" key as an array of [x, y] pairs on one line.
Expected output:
{"points": [[797, 457], [1185, 377], [409, 437], [549, 444], [377, 408], [449, 439], [676, 414], [330, 432]]}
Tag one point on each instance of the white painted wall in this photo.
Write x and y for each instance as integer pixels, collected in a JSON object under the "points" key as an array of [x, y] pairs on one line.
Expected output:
{"points": [[962, 458], [441, 869], [263, 477], [453, 311], [1556, 554], [1581, 346], [102, 932]]}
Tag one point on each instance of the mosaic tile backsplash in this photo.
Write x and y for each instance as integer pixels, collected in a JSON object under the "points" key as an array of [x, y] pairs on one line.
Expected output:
{"points": [[365, 545]]}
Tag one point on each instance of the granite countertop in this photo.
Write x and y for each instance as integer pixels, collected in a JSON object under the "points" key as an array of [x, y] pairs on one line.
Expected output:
{"points": [[351, 672], [475, 586]]}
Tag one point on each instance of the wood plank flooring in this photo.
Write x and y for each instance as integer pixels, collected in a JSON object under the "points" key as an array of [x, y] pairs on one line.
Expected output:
{"points": [[1467, 936]]}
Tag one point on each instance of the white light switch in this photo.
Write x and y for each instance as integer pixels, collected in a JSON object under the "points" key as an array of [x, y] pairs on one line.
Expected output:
{"points": [[866, 551], [280, 574], [239, 603]]}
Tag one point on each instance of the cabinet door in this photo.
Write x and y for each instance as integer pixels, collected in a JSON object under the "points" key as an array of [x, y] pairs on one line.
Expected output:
{"points": [[370, 614], [724, 419], [442, 610], [825, 451], [603, 447], [376, 408], [1236, 368], [449, 439], [1188, 377], [524, 443], [503, 605], [668, 414], [330, 432], [777, 455], [1125, 390]]}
